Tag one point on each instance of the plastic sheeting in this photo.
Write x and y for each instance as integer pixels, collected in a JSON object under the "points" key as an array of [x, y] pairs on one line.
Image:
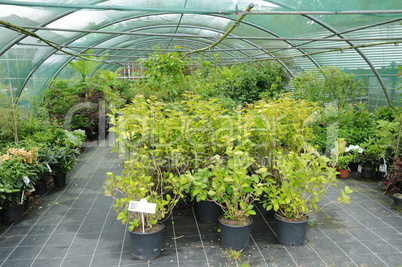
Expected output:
{"points": [[361, 36]]}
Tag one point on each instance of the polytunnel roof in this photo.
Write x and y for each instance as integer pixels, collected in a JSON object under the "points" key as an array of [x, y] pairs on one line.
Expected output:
{"points": [[39, 38]]}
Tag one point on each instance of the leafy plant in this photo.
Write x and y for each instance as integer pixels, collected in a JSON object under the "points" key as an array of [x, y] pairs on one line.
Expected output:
{"points": [[327, 84], [136, 184], [61, 158], [306, 178], [393, 183], [164, 76], [86, 67], [343, 162], [231, 186], [354, 150], [372, 155], [267, 81], [14, 166]]}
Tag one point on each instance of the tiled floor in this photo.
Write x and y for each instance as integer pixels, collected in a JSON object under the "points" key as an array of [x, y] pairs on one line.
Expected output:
{"points": [[76, 226]]}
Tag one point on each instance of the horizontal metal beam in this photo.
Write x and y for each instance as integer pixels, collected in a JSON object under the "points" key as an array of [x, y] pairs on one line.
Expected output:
{"points": [[114, 7], [193, 11], [320, 12], [214, 36], [214, 51]]}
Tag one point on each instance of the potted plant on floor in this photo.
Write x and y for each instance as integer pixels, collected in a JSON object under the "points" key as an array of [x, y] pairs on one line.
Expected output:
{"points": [[371, 158], [15, 167], [393, 183], [354, 150], [234, 189], [61, 160], [305, 179], [134, 184], [201, 185], [10, 202], [343, 165]]}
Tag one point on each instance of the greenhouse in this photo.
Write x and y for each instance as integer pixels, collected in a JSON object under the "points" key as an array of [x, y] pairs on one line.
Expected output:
{"points": [[200, 133]]}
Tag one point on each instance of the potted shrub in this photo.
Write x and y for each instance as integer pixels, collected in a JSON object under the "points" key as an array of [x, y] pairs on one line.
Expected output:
{"points": [[393, 183], [61, 160], [10, 202], [135, 184], [15, 167], [201, 185], [371, 158], [234, 189], [343, 165], [354, 150], [305, 179]]}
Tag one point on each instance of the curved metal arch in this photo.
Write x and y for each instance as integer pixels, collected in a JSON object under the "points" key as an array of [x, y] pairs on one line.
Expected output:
{"points": [[165, 40], [51, 54], [286, 41], [158, 14], [352, 30], [148, 41], [146, 15], [137, 29], [186, 26], [43, 24], [68, 61], [210, 29], [340, 35]]}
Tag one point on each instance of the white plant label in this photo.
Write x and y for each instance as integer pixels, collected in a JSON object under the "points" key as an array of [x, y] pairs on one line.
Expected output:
{"points": [[382, 168], [47, 165], [26, 180], [142, 206], [359, 168]]}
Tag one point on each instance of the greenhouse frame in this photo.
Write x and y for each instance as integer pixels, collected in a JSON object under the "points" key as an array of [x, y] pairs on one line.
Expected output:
{"points": [[361, 36], [200, 133]]}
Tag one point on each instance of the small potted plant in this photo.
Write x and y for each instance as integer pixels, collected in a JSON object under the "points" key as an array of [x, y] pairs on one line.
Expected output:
{"points": [[343, 165], [234, 189], [371, 158], [134, 184], [354, 150], [393, 183], [10, 201], [305, 179], [201, 185], [15, 167], [61, 160]]}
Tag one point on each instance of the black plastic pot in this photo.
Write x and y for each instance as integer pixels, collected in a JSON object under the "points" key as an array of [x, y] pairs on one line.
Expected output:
{"points": [[59, 180], [92, 136], [290, 233], [26, 203], [40, 187], [11, 214], [368, 173], [353, 166], [381, 176], [209, 211], [235, 237], [397, 200], [184, 202], [146, 246]]}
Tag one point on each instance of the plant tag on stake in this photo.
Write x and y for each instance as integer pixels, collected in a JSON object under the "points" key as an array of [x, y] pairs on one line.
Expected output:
{"points": [[359, 168], [382, 168], [26, 180], [47, 165], [144, 207]]}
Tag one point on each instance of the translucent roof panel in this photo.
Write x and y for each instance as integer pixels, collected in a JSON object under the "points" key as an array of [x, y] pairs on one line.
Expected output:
{"points": [[39, 38]]}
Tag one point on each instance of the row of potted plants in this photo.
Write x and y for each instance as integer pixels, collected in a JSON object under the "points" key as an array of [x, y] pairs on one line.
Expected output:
{"points": [[233, 159], [24, 167]]}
